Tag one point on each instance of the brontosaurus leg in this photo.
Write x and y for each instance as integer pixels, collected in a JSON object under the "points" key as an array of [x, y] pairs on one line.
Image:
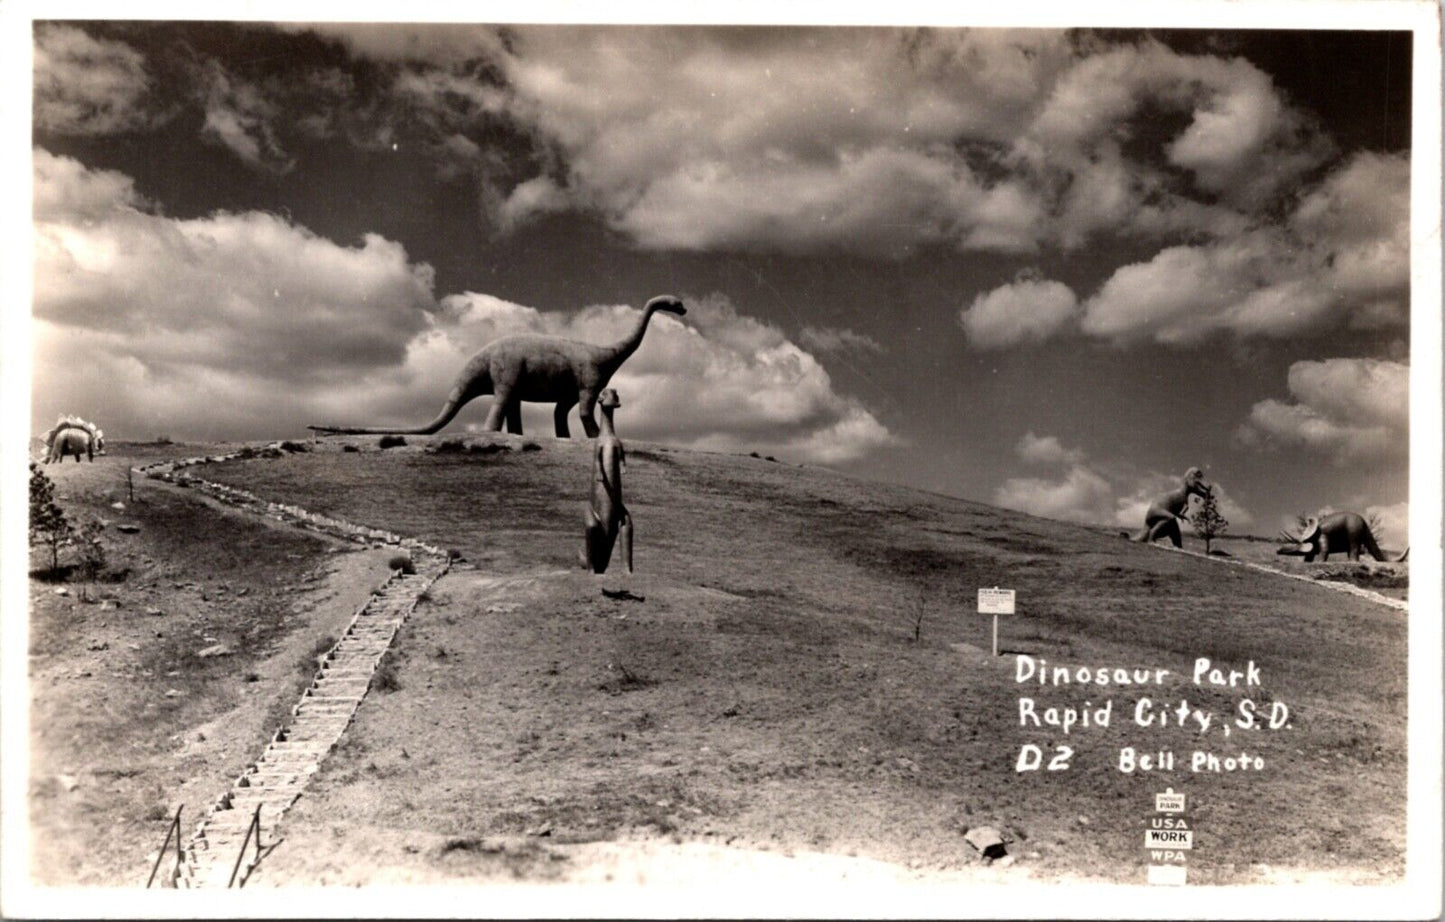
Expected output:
{"points": [[586, 407], [501, 406], [560, 416], [514, 418]]}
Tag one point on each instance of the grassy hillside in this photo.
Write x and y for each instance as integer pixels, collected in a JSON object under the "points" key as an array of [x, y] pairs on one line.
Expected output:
{"points": [[769, 689], [804, 671]]}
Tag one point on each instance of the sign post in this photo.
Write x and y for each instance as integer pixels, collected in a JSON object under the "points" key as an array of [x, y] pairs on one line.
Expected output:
{"points": [[1169, 840], [995, 602]]}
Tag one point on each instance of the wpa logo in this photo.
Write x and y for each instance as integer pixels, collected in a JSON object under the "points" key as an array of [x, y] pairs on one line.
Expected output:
{"points": [[1168, 840]]}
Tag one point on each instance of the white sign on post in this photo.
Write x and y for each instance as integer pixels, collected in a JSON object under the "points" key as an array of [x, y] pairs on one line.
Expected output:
{"points": [[1169, 802], [995, 602]]}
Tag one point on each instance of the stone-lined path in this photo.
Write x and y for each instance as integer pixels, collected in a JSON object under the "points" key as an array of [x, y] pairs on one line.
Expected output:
{"points": [[1334, 584], [277, 778]]}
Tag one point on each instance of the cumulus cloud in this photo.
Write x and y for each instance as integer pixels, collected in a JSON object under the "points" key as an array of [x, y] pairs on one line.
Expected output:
{"points": [[240, 116], [870, 140], [1342, 256], [1093, 492], [248, 293], [1392, 524], [876, 141], [88, 86], [249, 325], [1080, 495], [1343, 408], [1027, 310], [882, 141], [1242, 141], [839, 340], [431, 43], [1046, 450]]}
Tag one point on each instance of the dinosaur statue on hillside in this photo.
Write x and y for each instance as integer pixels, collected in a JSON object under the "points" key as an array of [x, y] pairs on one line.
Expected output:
{"points": [[606, 514], [1338, 531], [73, 436], [537, 369], [1162, 518]]}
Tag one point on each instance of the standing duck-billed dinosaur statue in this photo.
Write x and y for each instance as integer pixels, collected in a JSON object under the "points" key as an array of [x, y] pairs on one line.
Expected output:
{"points": [[1162, 518], [607, 517], [534, 368]]}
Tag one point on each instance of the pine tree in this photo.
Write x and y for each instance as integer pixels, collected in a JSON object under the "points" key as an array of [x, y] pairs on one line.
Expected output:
{"points": [[1208, 523], [48, 525], [92, 554]]}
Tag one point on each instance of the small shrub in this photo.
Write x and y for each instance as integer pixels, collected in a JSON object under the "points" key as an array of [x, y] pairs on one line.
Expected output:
{"points": [[91, 554], [391, 441], [449, 446], [403, 563], [384, 680], [161, 440], [753, 454], [490, 448], [246, 452], [625, 681], [531, 446], [289, 445], [351, 448], [48, 524], [308, 664], [1208, 523]]}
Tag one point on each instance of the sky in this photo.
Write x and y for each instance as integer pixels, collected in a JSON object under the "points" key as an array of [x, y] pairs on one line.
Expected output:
{"points": [[1044, 269]]}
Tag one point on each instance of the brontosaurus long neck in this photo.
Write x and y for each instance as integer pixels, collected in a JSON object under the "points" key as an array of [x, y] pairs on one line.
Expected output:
{"points": [[614, 355]]}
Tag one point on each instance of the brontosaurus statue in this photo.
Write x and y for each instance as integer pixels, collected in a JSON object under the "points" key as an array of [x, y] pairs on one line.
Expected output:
{"points": [[537, 369], [72, 435], [606, 514], [1162, 518], [1338, 531]]}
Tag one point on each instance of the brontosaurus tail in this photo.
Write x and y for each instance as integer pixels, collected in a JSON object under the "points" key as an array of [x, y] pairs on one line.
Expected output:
{"points": [[453, 406]]}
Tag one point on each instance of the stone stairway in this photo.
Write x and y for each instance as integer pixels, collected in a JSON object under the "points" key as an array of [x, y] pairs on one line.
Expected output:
{"points": [[275, 780]]}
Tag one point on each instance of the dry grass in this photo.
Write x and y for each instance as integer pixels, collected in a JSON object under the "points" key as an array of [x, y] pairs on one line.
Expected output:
{"points": [[776, 691]]}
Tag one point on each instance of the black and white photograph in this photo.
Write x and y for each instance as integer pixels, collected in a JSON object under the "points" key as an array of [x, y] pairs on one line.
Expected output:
{"points": [[552, 463]]}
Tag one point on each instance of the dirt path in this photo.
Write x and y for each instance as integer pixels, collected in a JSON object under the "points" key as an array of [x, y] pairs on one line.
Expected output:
{"points": [[240, 829], [127, 719]]}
